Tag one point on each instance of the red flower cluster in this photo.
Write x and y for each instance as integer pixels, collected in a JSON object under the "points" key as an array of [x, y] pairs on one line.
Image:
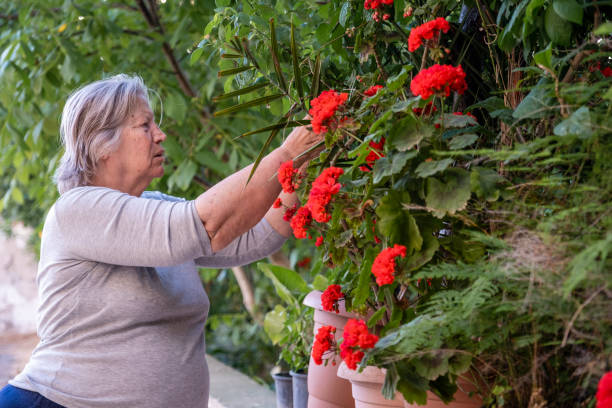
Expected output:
{"points": [[300, 221], [324, 341], [384, 264], [323, 109], [604, 391], [277, 203], [356, 339], [427, 31], [323, 189], [330, 297], [374, 4], [319, 241], [289, 213], [373, 156], [287, 176], [371, 91], [440, 79]]}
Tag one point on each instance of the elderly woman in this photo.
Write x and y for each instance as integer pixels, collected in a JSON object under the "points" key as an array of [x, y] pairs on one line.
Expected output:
{"points": [[122, 308]]}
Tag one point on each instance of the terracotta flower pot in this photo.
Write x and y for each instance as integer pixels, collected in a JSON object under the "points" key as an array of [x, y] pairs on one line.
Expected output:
{"points": [[325, 388], [462, 396], [367, 387]]}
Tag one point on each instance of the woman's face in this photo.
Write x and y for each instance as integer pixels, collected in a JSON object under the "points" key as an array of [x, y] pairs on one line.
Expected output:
{"points": [[140, 156]]}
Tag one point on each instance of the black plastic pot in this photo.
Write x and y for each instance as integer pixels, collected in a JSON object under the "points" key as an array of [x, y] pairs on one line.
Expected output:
{"points": [[283, 384], [300, 389]]}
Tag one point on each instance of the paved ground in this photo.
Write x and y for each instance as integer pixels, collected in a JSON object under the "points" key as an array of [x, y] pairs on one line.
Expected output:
{"points": [[15, 350]]}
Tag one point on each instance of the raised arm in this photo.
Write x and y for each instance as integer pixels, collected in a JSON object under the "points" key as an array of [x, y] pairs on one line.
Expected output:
{"points": [[232, 207]]}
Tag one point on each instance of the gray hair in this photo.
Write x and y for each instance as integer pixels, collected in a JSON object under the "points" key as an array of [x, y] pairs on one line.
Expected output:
{"points": [[92, 121]]}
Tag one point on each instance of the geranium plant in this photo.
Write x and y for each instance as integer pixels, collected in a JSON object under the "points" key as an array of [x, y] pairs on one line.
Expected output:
{"points": [[399, 202]]}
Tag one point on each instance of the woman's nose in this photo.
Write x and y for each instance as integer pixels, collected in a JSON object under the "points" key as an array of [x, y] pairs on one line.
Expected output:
{"points": [[158, 135]]}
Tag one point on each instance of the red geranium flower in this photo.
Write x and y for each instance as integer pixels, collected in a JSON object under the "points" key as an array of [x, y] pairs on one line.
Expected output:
{"points": [[374, 4], [330, 297], [324, 342], [277, 203], [427, 31], [375, 154], [300, 221], [439, 79], [356, 339], [384, 264], [287, 176], [323, 108], [319, 241], [604, 391], [289, 213], [323, 189], [371, 91]]}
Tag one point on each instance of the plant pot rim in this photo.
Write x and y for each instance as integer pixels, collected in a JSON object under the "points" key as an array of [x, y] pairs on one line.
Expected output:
{"points": [[369, 374], [282, 374], [313, 299]]}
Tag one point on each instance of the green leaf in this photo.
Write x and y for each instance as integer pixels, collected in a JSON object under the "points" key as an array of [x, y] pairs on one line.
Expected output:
{"points": [[365, 277], [432, 365], [426, 169], [603, 29], [590, 260], [275, 59], [579, 124], [297, 74], [408, 132], [397, 224], [242, 91], [458, 121], [557, 28], [289, 278], [484, 183], [281, 290], [535, 104], [176, 107], [184, 173], [314, 89], [195, 56], [544, 57], [320, 282], [390, 165], [345, 13], [459, 363], [569, 10], [428, 249], [376, 316], [274, 322], [390, 384], [382, 120], [277, 126], [208, 159], [233, 71], [262, 152], [508, 37], [450, 195], [249, 104], [396, 82], [461, 141]]}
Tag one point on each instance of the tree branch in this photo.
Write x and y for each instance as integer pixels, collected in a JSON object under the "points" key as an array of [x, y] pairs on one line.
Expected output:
{"points": [[152, 19], [248, 295]]}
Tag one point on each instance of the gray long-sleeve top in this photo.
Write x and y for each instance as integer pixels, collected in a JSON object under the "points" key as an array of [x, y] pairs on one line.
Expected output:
{"points": [[122, 308]]}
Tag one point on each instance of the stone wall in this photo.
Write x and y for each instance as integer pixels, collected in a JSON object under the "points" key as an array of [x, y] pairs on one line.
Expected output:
{"points": [[18, 298]]}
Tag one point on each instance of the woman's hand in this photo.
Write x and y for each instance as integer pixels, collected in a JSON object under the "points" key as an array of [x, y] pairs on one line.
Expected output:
{"points": [[300, 140]]}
